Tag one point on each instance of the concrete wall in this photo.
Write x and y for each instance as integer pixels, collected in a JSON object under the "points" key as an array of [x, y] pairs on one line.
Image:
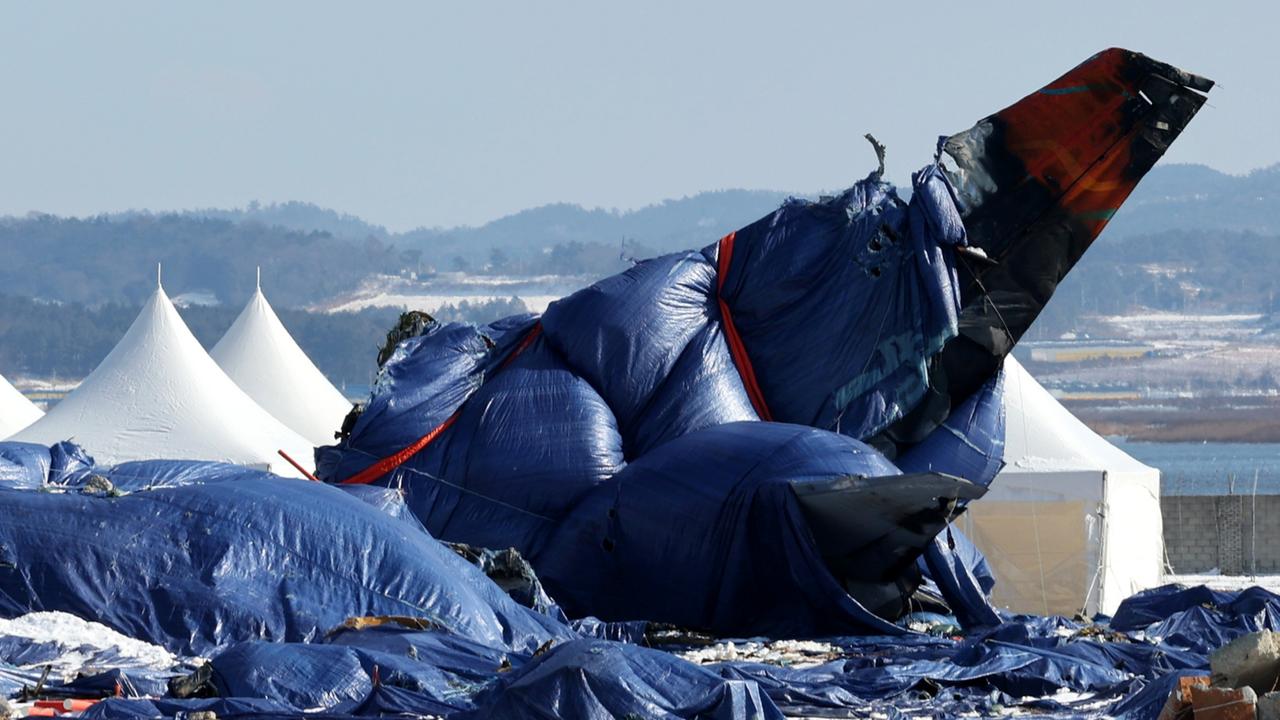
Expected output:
{"points": [[1238, 534]]}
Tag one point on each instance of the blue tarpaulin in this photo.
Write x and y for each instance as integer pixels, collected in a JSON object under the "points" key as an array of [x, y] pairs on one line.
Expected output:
{"points": [[860, 315], [1025, 662], [576, 436], [260, 590], [216, 553]]}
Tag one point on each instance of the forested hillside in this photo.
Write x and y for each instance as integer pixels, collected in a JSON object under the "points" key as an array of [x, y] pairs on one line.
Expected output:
{"points": [[1189, 239], [1196, 271], [113, 259], [47, 340], [311, 254]]}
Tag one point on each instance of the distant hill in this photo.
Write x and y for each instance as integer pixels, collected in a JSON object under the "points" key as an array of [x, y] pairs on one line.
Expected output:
{"points": [[300, 216], [689, 222], [1171, 197], [1195, 197], [1175, 270], [311, 254], [113, 259], [1190, 238]]}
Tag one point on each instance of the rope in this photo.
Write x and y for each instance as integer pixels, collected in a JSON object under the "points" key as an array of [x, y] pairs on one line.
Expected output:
{"points": [[986, 297]]}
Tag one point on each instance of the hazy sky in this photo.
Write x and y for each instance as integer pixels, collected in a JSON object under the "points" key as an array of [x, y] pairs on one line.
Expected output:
{"points": [[422, 113]]}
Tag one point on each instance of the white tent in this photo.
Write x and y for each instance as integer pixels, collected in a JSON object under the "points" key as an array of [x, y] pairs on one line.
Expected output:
{"points": [[261, 357], [158, 394], [16, 411], [1072, 523]]}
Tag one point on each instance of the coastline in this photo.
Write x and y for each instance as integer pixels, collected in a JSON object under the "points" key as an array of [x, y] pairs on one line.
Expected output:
{"points": [[1227, 421]]}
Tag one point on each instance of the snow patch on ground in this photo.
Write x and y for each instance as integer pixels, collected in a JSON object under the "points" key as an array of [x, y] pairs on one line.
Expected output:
{"points": [[431, 303], [81, 643], [1182, 318], [431, 292], [790, 653]]}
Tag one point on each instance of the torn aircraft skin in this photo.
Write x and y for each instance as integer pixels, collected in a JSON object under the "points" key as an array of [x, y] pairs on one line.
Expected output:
{"points": [[710, 438]]}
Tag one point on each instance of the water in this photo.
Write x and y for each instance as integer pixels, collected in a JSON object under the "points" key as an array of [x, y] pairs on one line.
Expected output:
{"points": [[1210, 468]]}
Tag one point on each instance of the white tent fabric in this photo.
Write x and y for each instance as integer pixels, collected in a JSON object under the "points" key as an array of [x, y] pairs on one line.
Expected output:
{"points": [[16, 411], [158, 394], [263, 359], [1072, 523]]}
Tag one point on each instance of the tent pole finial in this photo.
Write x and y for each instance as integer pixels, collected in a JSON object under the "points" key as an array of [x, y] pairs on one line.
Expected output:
{"points": [[158, 285], [259, 280]]}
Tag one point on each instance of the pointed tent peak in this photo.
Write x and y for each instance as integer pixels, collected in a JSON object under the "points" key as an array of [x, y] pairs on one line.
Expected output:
{"points": [[259, 305], [259, 354], [159, 315], [257, 311], [159, 296], [158, 394]]}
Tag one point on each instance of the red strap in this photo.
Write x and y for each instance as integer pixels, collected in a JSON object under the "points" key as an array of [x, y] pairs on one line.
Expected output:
{"points": [[298, 467], [391, 462], [534, 332], [739, 351]]}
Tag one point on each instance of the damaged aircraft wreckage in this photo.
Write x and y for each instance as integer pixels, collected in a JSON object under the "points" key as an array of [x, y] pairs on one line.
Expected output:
{"points": [[768, 437], [816, 391]]}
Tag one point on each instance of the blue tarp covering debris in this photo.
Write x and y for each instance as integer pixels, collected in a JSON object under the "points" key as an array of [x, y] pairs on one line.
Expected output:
{"points": [[575, 437], [468, 651], [736, 554], [214, 553], [858, 316]]}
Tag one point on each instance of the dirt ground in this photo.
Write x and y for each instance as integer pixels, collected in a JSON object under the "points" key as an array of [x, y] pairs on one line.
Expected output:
{"points": [[1199, 420]]}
